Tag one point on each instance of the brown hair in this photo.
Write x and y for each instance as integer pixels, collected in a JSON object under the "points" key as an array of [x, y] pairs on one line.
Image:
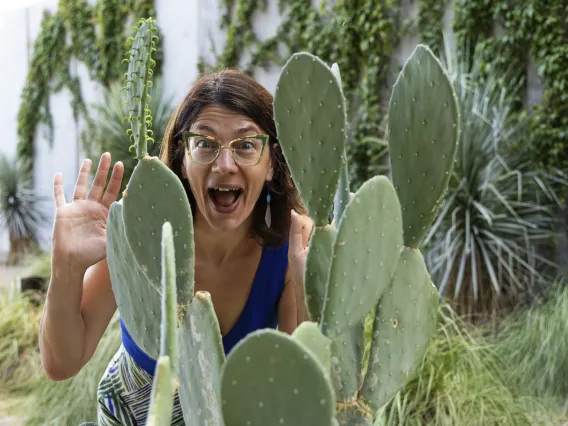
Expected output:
{"points": [[238, 92]]}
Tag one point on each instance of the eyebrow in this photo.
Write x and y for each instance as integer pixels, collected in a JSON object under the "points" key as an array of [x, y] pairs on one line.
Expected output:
{"points": [[242, 130]]}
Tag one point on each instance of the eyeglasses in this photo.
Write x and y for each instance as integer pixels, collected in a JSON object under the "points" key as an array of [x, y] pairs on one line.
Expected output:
{"points": [[204, 149]]}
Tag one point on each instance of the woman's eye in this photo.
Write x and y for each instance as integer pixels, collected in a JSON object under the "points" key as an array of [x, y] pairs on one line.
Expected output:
{"points": [[204, 143]]}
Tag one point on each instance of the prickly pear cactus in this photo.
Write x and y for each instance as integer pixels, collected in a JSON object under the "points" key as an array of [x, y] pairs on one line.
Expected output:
{"points": [[370, 261], [154, 195], [367, 262]]}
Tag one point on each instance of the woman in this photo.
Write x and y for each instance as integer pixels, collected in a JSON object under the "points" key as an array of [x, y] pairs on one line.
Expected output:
{"points": [[250, 233]]}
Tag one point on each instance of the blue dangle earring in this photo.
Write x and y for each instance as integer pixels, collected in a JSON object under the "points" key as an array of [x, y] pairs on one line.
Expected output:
{"points": [[268, 216]]}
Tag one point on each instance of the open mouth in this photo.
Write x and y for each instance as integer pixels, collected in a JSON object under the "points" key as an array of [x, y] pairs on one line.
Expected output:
{"points": [[225, 200]]}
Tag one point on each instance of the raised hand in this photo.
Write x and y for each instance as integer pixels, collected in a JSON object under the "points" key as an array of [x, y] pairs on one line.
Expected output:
{"points": [[79, 229]]}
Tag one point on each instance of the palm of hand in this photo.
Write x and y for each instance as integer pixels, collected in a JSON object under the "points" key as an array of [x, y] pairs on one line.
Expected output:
{"points": [[79, 230]]}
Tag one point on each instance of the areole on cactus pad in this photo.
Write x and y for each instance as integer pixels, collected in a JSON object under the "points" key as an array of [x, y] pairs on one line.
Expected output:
{"points": [[367, 262]]}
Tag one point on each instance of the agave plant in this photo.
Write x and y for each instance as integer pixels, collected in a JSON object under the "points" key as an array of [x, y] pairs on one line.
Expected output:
{"points": [[20, 213], [109, 132], [482, 248]]}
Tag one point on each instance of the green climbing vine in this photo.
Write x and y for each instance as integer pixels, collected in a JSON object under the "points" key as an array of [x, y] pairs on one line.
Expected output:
{"points": [[97, 35], [430, 22], [360, 35], [529, 29]]}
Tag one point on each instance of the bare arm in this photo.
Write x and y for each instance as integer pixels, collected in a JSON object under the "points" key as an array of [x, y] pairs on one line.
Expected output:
{"points": [[77, 312], [80, 301]]}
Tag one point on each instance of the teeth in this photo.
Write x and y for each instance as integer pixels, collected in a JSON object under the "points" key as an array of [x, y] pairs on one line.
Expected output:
{"points": [[226, 189]]}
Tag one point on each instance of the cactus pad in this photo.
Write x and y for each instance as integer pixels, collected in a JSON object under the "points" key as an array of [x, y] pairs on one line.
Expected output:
{"points": [[270, 379], [309, 334], [423, 131], [318, 263], [404, 323], [201, 358], [155, 195], [342, 194], [368, 244], [138, 299], [168, 339], [161, 402], [165, 382], [309, 110], [137, 83], [347, 351]]}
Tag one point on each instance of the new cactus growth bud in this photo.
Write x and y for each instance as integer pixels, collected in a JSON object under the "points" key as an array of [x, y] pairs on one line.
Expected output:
{"points": [[138, 81], [310, 336]]}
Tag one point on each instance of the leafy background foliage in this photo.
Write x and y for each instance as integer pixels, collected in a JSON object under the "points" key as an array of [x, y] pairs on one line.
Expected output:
{"points": [[49, 69], [499, 210]]}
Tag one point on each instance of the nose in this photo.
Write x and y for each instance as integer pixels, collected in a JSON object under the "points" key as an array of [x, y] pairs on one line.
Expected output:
{"points": [[225, 164]]}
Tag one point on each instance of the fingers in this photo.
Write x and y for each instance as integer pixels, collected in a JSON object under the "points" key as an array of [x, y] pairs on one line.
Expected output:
{"points": [[295, 239], [99, 182], [58, 192], [80, 191], [307, 229], [114, 185]]}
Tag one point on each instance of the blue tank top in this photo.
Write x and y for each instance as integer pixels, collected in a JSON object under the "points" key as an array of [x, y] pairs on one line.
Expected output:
{"points": [[260, 311]]}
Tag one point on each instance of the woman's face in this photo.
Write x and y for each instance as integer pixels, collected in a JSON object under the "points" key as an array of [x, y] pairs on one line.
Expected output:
{"points": [[226, 210]]}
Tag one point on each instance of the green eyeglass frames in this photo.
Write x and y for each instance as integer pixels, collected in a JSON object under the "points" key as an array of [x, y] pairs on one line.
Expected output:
{"points": [[204, 149]]}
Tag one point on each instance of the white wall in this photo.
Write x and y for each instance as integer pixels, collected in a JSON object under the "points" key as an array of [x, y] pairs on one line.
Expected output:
{"points": [[187, 27]]}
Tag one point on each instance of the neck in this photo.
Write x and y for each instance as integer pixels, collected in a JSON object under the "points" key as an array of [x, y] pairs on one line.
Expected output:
{"points": [[218, 246]]}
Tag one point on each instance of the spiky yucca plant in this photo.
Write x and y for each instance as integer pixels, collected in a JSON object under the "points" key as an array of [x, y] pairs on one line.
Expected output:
{"points": [[20, 213], [482, 248]]}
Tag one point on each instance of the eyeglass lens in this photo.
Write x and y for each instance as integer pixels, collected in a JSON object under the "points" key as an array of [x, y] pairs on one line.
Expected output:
{"points": [[244, 151]]}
